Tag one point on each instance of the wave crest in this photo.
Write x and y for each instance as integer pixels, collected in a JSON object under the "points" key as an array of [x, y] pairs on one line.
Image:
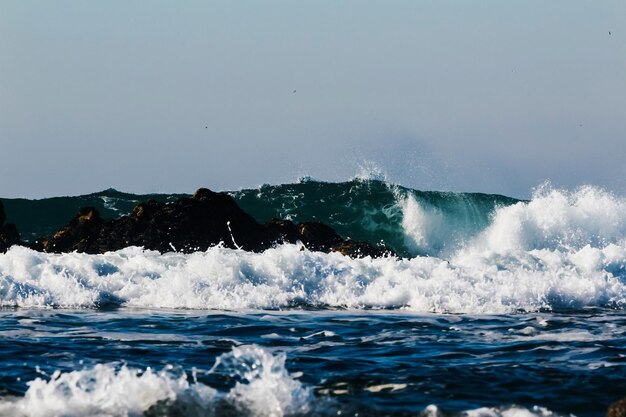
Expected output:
{"points": [[557, 219]]}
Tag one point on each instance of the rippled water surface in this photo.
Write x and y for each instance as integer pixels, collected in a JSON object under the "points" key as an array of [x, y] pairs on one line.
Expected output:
{"points": [[336, 361]]}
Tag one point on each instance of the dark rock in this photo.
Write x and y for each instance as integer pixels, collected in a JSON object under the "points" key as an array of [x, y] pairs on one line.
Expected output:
{"points": [[194, 224], [284, 231], [318, 236], [79, 235], [9, 236], [186, 225], [617, 409], [357, 249], [203, 194]]}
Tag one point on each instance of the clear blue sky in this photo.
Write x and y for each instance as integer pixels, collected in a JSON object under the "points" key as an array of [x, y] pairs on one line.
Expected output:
{"points": [[145, 96]]}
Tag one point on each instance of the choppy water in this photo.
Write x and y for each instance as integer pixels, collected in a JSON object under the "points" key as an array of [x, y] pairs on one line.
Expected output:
{"points": [[307, 362], [499, 307]]}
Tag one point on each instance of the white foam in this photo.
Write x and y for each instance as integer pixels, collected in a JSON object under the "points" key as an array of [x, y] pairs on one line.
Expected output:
{"points": [[440, 230], [553, 219], [222, 278], [511, 411], [265, 388], [425, 228], [557, 219]]}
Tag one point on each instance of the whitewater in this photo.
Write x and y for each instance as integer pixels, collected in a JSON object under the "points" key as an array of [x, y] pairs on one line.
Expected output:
{"points": [[493, 307]]}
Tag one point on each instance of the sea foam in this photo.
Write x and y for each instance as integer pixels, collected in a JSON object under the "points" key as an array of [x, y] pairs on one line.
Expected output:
{"points": [[284, 277], [263, 388]]}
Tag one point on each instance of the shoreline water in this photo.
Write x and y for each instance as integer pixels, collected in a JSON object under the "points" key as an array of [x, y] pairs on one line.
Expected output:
{"points": [[371, 363]]}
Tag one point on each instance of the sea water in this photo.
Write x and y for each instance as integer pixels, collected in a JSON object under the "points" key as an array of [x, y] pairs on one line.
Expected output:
{"points": [[496, 307]]}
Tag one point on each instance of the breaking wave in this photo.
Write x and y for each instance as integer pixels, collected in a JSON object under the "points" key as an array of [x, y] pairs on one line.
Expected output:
{"points": [[562, 250]]}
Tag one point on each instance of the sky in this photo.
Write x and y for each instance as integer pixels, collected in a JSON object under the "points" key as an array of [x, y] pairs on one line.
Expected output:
{"points": [[163, 96]]}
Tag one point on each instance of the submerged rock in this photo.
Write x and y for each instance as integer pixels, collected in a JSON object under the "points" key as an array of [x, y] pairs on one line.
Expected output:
{"points": [[194, 224]]}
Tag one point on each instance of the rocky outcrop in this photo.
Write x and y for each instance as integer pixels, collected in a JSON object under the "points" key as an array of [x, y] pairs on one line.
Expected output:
{"points": [[186, 225], [9, 235], [194, 224]]}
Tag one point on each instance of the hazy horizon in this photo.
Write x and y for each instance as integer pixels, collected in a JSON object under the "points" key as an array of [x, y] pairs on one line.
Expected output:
{"points": [[153, 96]]}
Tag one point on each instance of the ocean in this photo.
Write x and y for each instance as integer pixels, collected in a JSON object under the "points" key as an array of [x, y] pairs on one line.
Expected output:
{"points": [[494, 307]]}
